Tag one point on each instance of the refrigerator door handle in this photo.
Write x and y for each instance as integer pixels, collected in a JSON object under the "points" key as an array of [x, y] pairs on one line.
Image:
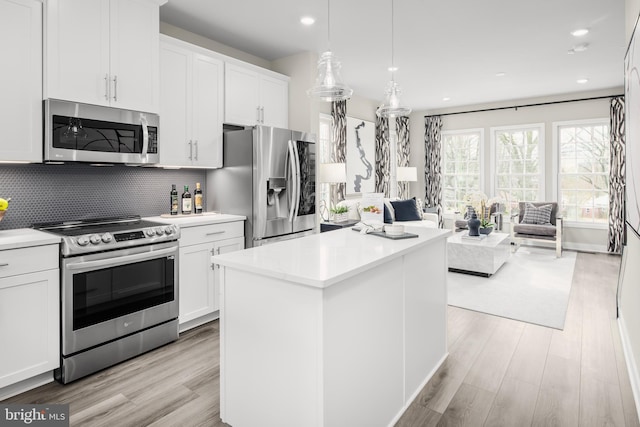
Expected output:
{"points": [[294, 177], [298, 177]]}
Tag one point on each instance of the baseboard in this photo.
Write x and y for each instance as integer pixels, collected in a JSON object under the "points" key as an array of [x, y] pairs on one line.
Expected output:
{"points": [[584, 247], [632, 368], [26, 385], [183, 327], [415, 394], [568, 246]]}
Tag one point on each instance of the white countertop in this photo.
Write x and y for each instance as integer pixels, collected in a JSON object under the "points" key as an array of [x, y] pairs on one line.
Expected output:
{"points": [[323, 259], [197, 219], [25, 237]]}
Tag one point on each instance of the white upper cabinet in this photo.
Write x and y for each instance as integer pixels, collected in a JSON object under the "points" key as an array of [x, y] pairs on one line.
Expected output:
{"points": [[254, 96], [103, 52], [21, 82], [191, 102]]}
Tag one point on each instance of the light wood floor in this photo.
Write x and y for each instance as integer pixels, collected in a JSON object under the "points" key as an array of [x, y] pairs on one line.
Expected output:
{"points": [[499, 372]]}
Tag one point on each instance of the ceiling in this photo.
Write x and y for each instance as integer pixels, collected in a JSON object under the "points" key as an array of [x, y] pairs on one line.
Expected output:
{"points": [[450, 49]]}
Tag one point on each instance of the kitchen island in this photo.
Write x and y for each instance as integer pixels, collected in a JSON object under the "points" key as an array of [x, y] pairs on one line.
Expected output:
{"points": [[333, 329]]}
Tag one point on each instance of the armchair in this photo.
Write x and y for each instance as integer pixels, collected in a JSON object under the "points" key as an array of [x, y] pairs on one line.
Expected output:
{"points": [[550, 231]]}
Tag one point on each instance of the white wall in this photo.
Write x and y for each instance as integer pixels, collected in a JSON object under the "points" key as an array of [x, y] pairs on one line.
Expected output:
{"points": [[629, 281], [187, 36], [631, 11], [575, 238]]}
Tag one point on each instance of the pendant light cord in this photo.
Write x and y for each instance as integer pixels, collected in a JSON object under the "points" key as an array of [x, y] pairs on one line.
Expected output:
{"points": [[329, 25], [393, 67]]}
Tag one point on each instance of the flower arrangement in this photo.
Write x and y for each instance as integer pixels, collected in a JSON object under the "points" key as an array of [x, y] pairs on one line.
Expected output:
{"points": [[340, 213], [476, 200]]}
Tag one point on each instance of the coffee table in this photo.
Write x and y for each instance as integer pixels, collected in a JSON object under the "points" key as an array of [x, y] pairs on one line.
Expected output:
{"points": [[480, 257]]}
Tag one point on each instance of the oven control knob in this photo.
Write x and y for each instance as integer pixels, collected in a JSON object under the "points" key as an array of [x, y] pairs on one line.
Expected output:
{"points": [[82, 241], [168, 230], [95, 239], [159, 231], [107, 237], [149, 232]]}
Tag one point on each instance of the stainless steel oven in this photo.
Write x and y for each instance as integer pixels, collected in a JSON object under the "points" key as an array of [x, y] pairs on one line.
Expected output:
{"points": [[119, 292]]}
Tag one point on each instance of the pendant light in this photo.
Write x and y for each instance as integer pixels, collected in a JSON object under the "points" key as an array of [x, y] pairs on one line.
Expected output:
{"points": [[329, 85], [392, 106]]}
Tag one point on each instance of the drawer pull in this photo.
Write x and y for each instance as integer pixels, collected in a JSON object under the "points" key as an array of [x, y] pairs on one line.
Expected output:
{"points": [[215, 232], [4, 264]]}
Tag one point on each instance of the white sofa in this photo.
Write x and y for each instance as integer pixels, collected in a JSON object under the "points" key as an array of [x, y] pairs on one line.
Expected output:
{"points": [[429, 220]]}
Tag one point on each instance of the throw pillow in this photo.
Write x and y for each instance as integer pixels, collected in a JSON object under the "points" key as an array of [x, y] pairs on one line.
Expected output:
{"points": [[470, 211], [406, 210], [537, 215], [388, 217]]}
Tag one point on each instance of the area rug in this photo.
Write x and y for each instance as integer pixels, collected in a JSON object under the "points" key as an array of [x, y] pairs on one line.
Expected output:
{"points": [[532, 286]]}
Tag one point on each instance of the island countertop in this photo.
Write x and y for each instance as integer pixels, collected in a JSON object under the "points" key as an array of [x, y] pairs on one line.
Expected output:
{"points": [[323, 259]]}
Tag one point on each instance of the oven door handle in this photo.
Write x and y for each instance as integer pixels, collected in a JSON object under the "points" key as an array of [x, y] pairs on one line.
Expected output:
{"points": [[126, 259]]}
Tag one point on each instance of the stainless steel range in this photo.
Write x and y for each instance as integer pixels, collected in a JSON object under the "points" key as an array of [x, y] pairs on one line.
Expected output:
{"points": [[119, 291]]}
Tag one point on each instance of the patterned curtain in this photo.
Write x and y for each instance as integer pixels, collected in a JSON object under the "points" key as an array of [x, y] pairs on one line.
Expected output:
{"points": [[382, 156], [339, 140], [404, 149], [432, 167], [616, 175]]}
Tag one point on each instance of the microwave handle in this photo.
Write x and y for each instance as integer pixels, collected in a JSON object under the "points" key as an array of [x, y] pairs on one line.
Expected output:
{"points": [[145, 135]]}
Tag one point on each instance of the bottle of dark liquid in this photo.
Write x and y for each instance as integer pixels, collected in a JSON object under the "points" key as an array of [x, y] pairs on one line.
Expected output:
{"points": [[174, 200], [197, 196], [186, 201]]}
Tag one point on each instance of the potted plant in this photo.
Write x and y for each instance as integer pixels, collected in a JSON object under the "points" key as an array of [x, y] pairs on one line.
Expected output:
{"points": [[340, 213], [486, 226]]}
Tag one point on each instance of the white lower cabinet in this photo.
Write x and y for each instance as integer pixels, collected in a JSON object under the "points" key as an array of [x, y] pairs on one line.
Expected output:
{"points": [[199, 285], [29, 312]]}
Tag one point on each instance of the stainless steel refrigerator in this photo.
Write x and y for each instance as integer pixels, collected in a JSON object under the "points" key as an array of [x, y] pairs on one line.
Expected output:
{"points": [[268, 175]]}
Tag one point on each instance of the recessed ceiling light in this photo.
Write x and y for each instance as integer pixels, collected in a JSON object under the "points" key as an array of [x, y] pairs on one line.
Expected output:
{"points": [[392, 69], [501, 74], [446, 98], [582, 81], [580, 32], [307, 20]]}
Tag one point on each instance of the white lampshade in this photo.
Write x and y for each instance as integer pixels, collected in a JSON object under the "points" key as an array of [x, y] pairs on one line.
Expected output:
{"points": [[332, 172], [406, 174]]}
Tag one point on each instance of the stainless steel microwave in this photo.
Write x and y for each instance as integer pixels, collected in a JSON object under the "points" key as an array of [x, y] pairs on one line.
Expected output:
{"points": [[75, 132]]}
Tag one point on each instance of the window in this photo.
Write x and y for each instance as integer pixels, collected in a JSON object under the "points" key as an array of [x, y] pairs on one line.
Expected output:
{"points": [[518, 164], [461, 166], [582, 150]]}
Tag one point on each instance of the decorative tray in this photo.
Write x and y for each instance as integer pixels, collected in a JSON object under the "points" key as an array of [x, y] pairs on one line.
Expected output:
{"points": [[388, 236]]}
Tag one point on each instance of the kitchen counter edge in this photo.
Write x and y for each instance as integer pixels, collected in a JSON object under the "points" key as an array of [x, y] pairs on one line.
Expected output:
{"points": [[26, 237], [197, 220], [264, 260]]}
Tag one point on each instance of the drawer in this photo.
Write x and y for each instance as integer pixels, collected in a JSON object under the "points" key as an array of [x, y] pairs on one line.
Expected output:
{"points": [[211, 233], [29, 260]]}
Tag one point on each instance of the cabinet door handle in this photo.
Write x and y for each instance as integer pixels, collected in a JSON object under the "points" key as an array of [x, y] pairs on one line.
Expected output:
{"points": [[4, 264], [115, 88], [213, 233], [190, 149], [262, 115], [106, 87], [196, 144], [258, 114]]}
